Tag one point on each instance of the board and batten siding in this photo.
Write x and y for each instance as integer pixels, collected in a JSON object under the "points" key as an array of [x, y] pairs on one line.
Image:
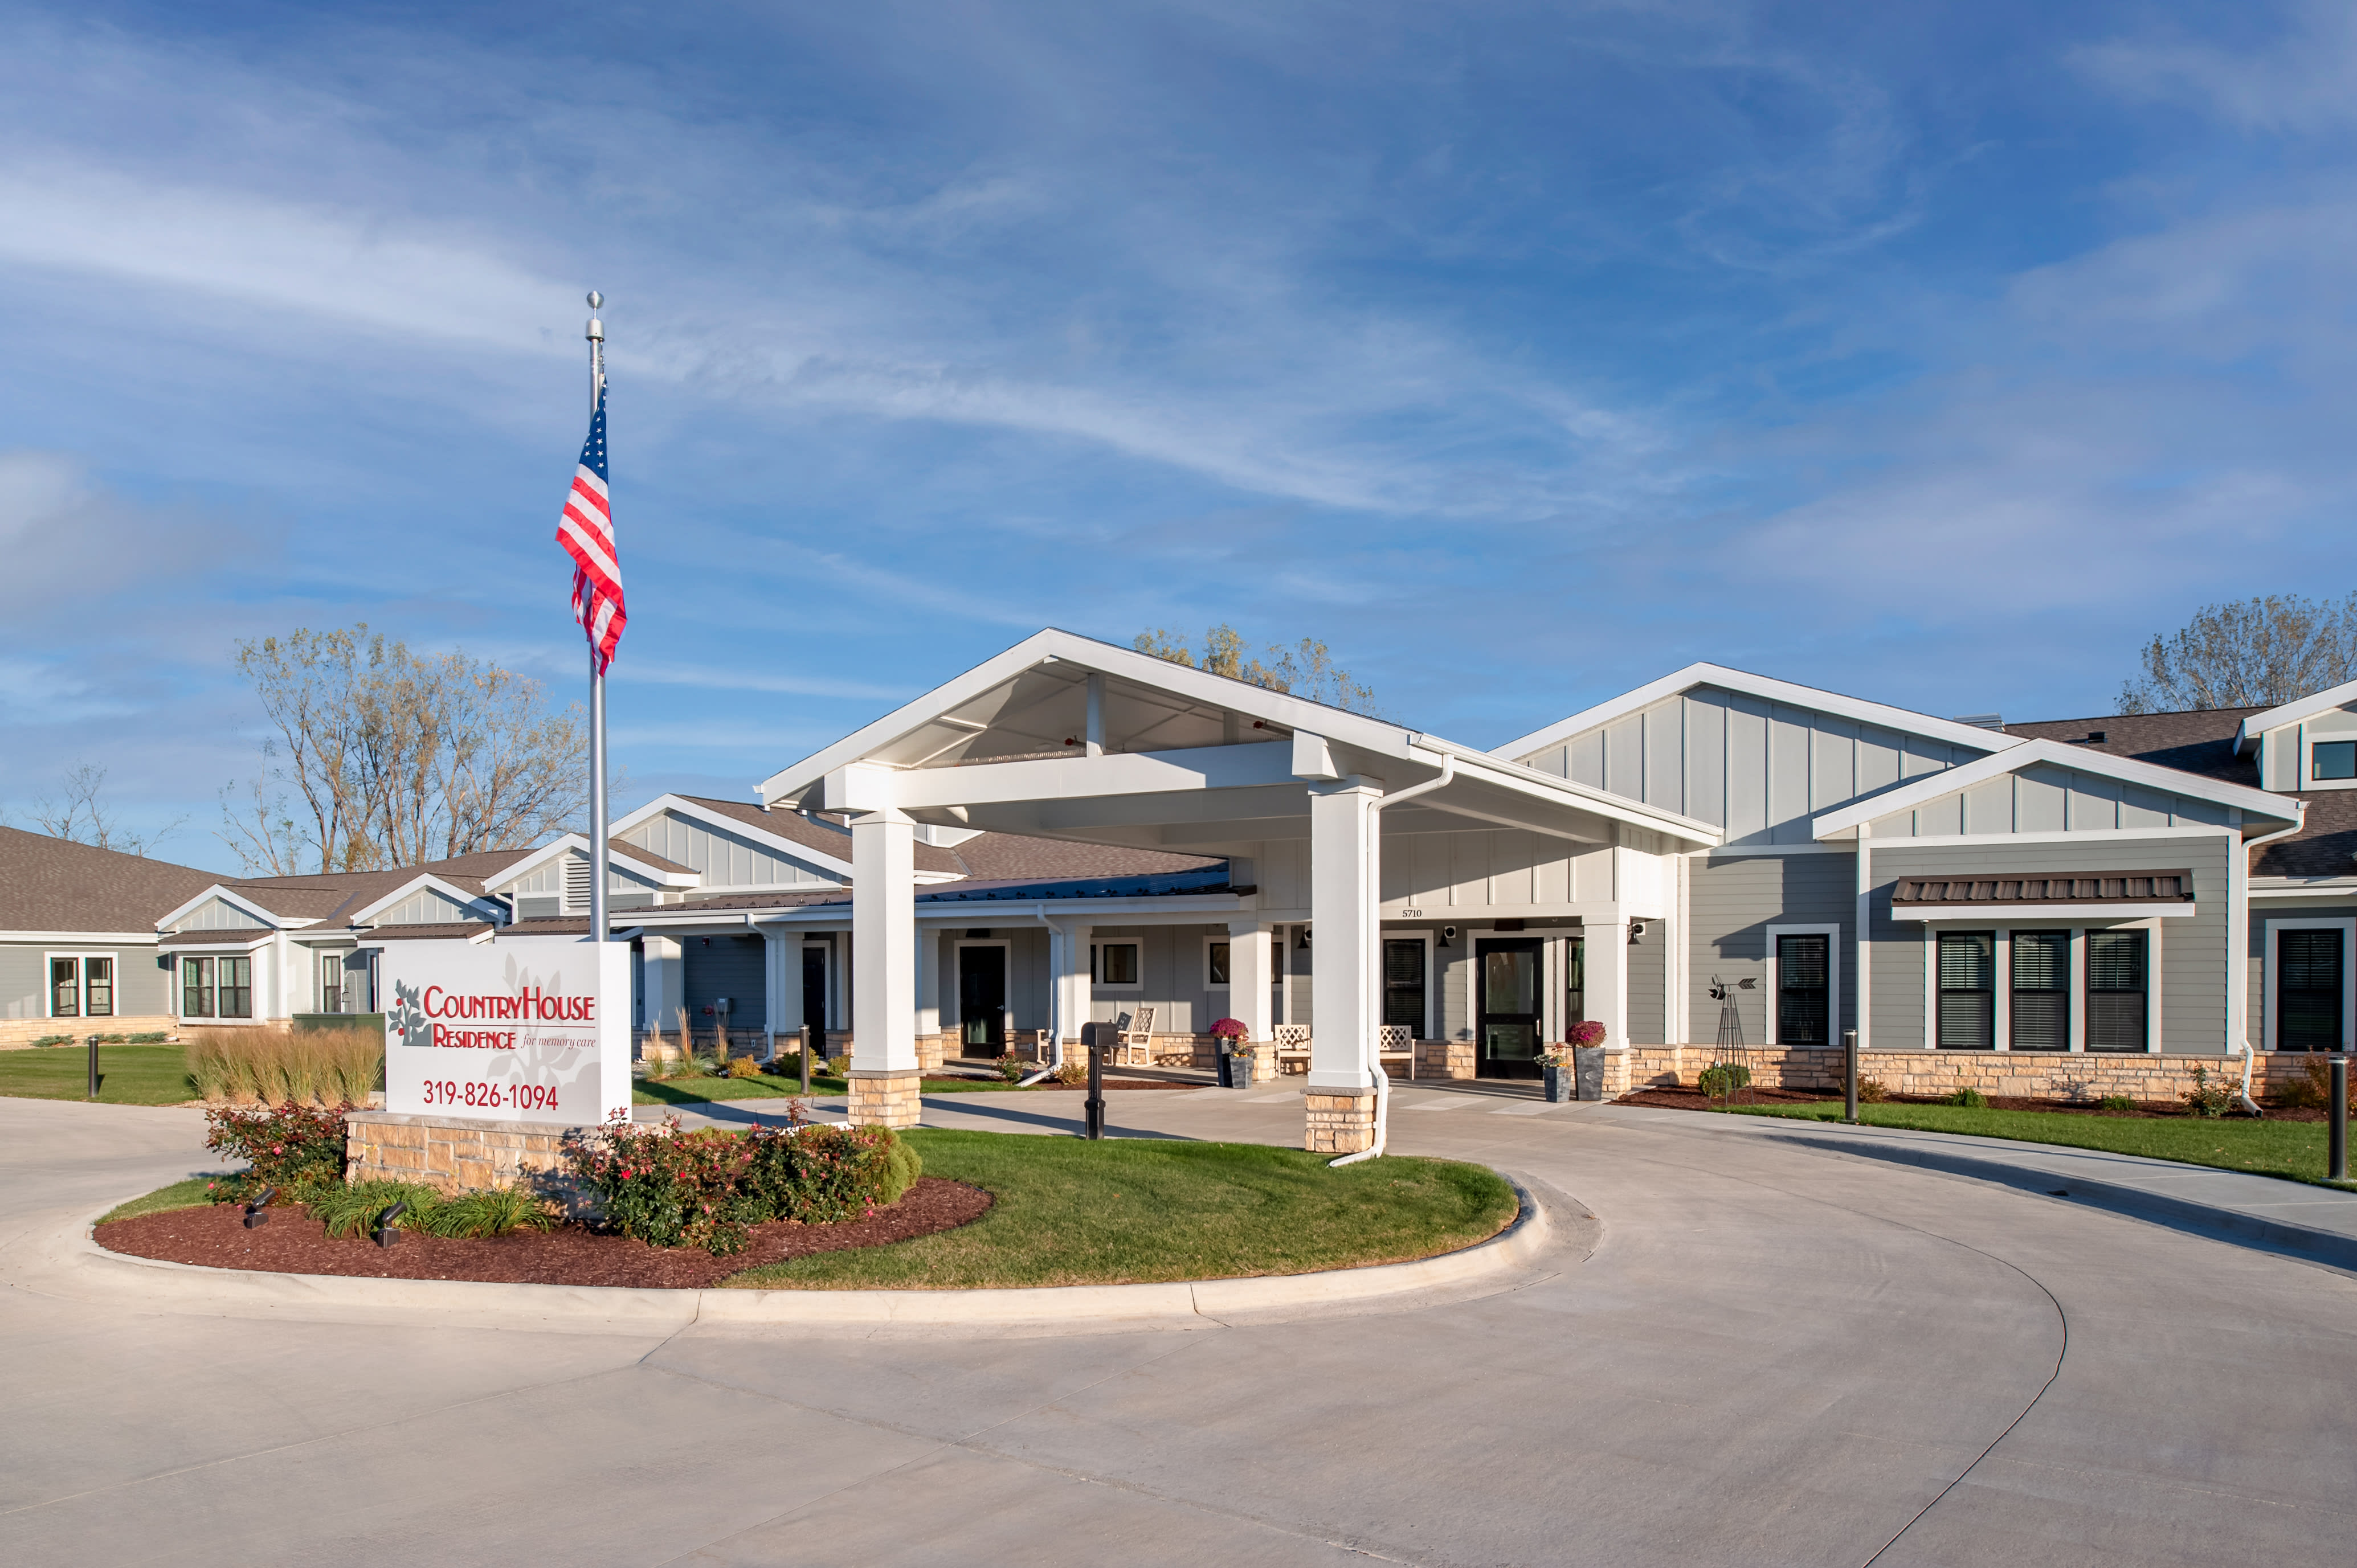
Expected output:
{"points": [[2047, 800], [2282, 749], [218, 915], [1171, 965], [141, 987], [1757, 770], [427, 906], [1731, 901], [2189, 952], [726, 860], [1485, 870]]}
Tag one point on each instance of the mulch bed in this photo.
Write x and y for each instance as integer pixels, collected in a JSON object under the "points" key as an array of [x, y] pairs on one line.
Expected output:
{"points": [[1684, 1098], [294, 1243]]}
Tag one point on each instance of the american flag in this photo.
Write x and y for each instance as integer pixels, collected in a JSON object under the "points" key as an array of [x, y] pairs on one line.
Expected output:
{"points": [[587, 532]]}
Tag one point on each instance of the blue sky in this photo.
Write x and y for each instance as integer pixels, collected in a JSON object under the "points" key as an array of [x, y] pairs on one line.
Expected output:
{"points": [[1939, 354]]}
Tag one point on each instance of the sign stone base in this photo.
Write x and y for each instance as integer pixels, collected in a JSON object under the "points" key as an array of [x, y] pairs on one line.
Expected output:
{"points": [[450, 1153], [1340, 1121]]}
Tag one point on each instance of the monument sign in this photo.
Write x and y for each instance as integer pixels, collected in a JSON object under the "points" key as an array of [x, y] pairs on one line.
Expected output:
{"points": [[513, 1029]]}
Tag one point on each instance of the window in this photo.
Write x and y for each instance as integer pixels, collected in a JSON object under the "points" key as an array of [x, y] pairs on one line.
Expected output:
{"points": [[65, 988], [1215, 963], [2115, 991], [1803, 990], [196, 988], [1404, 982], [1967, 978], [1116, 962], [2040, 1016], [216, 988], [98, 987], [2307, 990], [332, 982], [82, 986], [2332, 760], [1575, 983]]}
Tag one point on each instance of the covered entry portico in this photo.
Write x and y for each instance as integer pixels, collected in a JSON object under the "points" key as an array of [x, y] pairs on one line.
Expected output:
{"points": [[1329, 819]]}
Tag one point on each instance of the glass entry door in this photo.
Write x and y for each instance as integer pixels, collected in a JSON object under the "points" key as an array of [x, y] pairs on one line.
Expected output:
{"points": [[1509, 1022], [981, 1001]]}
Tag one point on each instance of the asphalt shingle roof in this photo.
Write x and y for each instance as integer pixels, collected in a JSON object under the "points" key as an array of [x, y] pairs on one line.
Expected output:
{"points": [[56, 884]]}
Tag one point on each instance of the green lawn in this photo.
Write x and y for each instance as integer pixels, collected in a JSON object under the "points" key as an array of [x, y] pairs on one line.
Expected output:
{"points": [[127, 1075], [705, 1090], [1074, 1212], [2293, 1149], [193, 1193]]}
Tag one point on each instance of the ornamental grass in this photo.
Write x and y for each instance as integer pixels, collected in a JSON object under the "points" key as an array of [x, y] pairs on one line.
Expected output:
{"points": [[287, 1067]]}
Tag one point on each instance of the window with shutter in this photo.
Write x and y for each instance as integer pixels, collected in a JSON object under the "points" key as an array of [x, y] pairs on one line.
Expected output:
{"points": [[1404, 983], [2040, 1016], [2307, 990], [1967, 978], [2116, 1007]]}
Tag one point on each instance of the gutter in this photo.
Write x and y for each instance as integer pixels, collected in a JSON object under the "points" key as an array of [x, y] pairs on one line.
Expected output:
{"points": [[1373, 1046]]}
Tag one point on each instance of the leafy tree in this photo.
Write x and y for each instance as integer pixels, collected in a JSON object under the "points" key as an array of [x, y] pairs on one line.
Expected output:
{"points": [[1305, 669], [385, 757], [2249, 653], [83, 816]]}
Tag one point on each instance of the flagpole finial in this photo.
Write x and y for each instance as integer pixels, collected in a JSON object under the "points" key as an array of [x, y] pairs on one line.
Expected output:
{"points": [[597, 332]]}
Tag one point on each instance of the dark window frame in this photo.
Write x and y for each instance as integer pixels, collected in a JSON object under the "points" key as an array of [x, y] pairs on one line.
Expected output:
{"points": [[2289, 999], [2344, 755], [1791, 999], [65, 995], [2017, 1012], [2107, 1005], [196, 986], [1981, 999]]}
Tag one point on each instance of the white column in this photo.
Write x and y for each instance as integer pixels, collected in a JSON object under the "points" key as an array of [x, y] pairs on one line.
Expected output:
{"points": [[1862, 966], [786, 981], [884, 943], [1249, 996], [1067, 978], [1343, 922], [929, 980], [1606, 999], [664, 995]]}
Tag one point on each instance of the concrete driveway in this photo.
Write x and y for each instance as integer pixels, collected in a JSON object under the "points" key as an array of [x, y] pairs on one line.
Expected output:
{"points": [[1773, 1355]]}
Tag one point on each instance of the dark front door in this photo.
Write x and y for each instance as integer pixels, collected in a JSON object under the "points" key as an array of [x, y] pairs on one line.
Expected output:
{"points": [[814, 991], [981, 1001], [1510, 1022]]}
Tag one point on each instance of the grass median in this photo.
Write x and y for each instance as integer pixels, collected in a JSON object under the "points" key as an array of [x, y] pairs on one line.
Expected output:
{"points": [[2294, 1150], [127, 1075], [710, 1089], [1126, 1211]]}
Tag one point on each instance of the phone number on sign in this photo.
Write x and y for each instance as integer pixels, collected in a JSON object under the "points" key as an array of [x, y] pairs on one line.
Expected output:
{"points": [[491, 1096]]}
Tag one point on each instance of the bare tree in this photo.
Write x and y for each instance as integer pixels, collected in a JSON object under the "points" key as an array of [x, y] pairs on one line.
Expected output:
{"points": [[398, 758], [2248, 653], [1306, 669], [83, 816]]}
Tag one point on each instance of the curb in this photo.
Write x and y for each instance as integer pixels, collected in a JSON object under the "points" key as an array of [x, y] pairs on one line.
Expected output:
{"points": [[66, 1260], [2329, 1247]]}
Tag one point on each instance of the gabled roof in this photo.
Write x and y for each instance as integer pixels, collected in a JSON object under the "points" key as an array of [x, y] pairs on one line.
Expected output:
{"points": [[653, 867], [2292, 713], [56, 884], [2253, 803], [1768, 690], [229, 893], [2201, 741], [1031, 704]]}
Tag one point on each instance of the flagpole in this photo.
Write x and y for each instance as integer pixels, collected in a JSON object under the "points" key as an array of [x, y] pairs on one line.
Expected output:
{"points": [[596, 333]]}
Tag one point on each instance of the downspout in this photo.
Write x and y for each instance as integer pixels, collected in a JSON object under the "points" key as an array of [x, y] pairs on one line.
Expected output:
{"points": [[1374, 1059], [1055, 1007], [2250, 1056]]}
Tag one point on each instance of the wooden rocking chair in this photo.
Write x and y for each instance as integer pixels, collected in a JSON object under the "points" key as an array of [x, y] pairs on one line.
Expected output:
{"points": [[1133, 1040], [1292, 1048]]}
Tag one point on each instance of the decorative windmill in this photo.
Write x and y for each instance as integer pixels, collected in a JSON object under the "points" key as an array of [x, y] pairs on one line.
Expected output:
{"points": [[1729, 1073]]}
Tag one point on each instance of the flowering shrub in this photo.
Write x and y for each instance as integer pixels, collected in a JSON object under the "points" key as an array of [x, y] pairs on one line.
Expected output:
{"points": [[1010, 1067], [1229, 1029], [291, 1147], [1588, 1033], [708, 1189]]}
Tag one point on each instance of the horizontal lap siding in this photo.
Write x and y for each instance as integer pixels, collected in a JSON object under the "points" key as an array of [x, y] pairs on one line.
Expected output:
{"points": [[1645, 962], [1171, 966], [1730, 903], [732, 967], [2263, 1031], [141, 989], [2191, 951]]}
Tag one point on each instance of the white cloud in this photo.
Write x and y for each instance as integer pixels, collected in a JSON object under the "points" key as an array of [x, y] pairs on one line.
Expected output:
{"points": [[2303, 78]]}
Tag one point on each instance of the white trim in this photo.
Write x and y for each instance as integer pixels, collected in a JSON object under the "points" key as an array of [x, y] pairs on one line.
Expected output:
{"points": [[567, 843], [1965, 775], [2348, 930], [424, 882], [1742, 851], [2342, 889], [2309, 742], [2007, 841], [1096, 965], [115, 938], [1764, 687], [220, 891], [1863, 914], [2103, 914], [230, 942], [1006, 1007], [1833, 934], [2079, 991], [1432, 986], [2249, 732]]}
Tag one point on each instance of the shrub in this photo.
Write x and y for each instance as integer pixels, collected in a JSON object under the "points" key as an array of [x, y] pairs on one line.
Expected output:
{"points": [[838, 1067], [1723, 1079], [494, 1212], [2115, 1102], [1871, 1091], [706, 1188], [1968, 1096], [296, 1148], [282, 1067], [55, 1040], [2208, 1099], [1010, 1067], [357, 1209], [2316, 1090], [153, 1038], [1074, 1070], [744, 1067]]}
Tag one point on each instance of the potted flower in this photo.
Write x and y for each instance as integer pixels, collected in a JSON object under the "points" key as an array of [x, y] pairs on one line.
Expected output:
{"points": [[1574, 1069], [1235, 1066]]}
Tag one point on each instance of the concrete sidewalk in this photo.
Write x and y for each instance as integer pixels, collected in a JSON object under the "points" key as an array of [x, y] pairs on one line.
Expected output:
{"points": [[2316, 1223]]}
